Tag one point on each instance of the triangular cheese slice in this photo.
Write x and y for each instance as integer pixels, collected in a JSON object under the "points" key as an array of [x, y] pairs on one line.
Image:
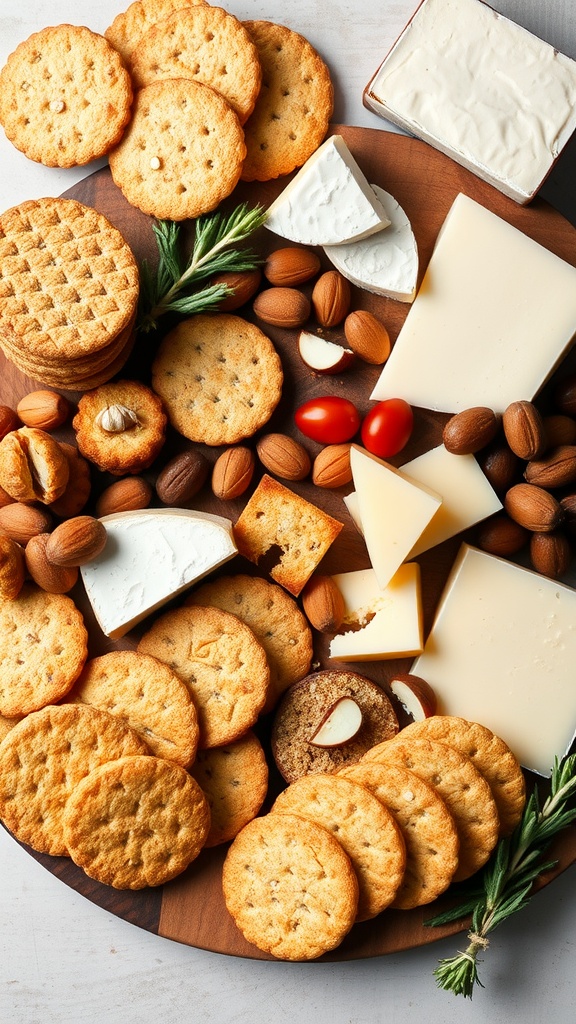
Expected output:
{"points": [[390, 618]]}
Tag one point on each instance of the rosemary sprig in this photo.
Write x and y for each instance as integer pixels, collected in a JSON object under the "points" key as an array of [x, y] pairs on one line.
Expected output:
{"points": [[507, 880], [173, 287]]}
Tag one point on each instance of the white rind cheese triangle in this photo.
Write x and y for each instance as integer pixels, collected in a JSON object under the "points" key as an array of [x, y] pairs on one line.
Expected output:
{"points": [[329, 201], [385, 263]]}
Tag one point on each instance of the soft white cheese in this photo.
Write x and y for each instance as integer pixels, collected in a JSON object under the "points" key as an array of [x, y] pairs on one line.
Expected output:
{"points": [[481, 89], [151, 556], [329, 201], [390, 618], [385, 263], [493, 317]]}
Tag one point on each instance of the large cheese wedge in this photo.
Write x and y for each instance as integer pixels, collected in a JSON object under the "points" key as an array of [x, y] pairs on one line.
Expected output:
{"points": [[328, 202], [390, 618], [386, 263], [151, 556], [493, 317], [502, 651], [393, 509]]}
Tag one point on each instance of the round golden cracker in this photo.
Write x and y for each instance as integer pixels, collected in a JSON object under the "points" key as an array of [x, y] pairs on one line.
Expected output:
{"points": [[489, 754], [204, 44], [69, 282], [305, 705], [274, 618], [65, 96], [221, 662], [136, 822], [290, 887], [43, 758], [128, 450], [427, 827], [219, 376], [148, 696], [295, 104], [362, 825], [234, 779], [465, 792], [182, 153], [130, 25], [43, 648]]}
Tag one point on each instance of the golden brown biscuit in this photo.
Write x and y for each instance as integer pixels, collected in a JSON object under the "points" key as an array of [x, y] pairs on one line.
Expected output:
{"points": [[120, 426], [33, 466], [12, 568], [130, 25], [234, 779]]}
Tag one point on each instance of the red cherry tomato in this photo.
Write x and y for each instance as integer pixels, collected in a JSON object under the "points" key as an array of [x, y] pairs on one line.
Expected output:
{"points": [[387, 427], [329, 420]]}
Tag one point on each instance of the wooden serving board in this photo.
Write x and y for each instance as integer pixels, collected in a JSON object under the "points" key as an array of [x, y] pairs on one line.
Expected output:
{"points": [[191, 909]]}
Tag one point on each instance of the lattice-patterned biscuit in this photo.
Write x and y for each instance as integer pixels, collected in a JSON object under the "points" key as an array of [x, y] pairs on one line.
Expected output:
{"points": [[41, 760], [362, 825], [120, 426], [234, 779], [222, 663], [290, 887], [274, 618], [294, 107], [182, 153], [219, 376], [204, 44], [135, 822], [43, 648], [65, 96], [428, 829], [148, 696], [130, 25]]}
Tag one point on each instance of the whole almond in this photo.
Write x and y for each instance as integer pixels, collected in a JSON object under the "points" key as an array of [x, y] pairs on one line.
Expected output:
{"points": [[8, 420], [500, 466], [565, 395], [323, 604], [550, 553], [533, 507], [44, 409], [331, 298], [560, 429], [282, 307], [126, 495], [233, 472], [283, 456], [182, 477], [470, 430], [12, 570], [21, 521], [555, 469], [524, 429], [291, 266], [243, 284], [367, 337], [76, 541], [500, 535], [331, 466], [568, 506], [55, 579]]}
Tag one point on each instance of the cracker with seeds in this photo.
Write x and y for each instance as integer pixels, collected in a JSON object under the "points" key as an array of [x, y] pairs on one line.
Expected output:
{"points": [[362, 825], [290, 887], [234, 779], [65, 96], [136, 822], [219, 376], [130, 25], [44, 757], [182, 153], [295, 104], [43, 648]]}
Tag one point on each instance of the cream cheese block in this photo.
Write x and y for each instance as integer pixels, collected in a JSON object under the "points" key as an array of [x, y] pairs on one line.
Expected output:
{"points": [[329, 201], [385, 263], [493, 317], [502, 651], [482, 90], [390, 618], [150, 556]]}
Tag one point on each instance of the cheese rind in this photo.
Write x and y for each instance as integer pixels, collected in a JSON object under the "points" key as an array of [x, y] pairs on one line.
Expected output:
{"points": [[493, 317], [328, 202], [390, 617], [502, 651], [386, 263], [151, 556], [481, 89]]}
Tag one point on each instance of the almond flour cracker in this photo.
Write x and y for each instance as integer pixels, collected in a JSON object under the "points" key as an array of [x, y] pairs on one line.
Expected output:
{"points": [[234, 779], [130, 25]]}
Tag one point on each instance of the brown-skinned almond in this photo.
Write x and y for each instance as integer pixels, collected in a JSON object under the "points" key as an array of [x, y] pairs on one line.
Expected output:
{"points": [[283, 456], [533, 507], [331, 467], [291, 266], [233, 472], [76, 541], [54, 579], [243, 284], [367, 337], [470, 430], [501, 535], [126, 495], [282, 307], [323, 604], [21, 521], [331, 298], [182, 477], [44, 409], [550, 553], [524, 429], [555, 469]]}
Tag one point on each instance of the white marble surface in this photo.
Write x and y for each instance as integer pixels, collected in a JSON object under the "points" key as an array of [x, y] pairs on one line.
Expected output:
{"points": [[65, 961]]}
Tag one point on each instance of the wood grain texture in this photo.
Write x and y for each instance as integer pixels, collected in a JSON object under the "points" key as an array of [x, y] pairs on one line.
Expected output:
{"points": [[190, 909]]}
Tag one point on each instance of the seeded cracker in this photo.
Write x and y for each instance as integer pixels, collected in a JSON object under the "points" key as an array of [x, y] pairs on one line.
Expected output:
{"points": [[130, 25], [65, 96], [234, 779]]}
